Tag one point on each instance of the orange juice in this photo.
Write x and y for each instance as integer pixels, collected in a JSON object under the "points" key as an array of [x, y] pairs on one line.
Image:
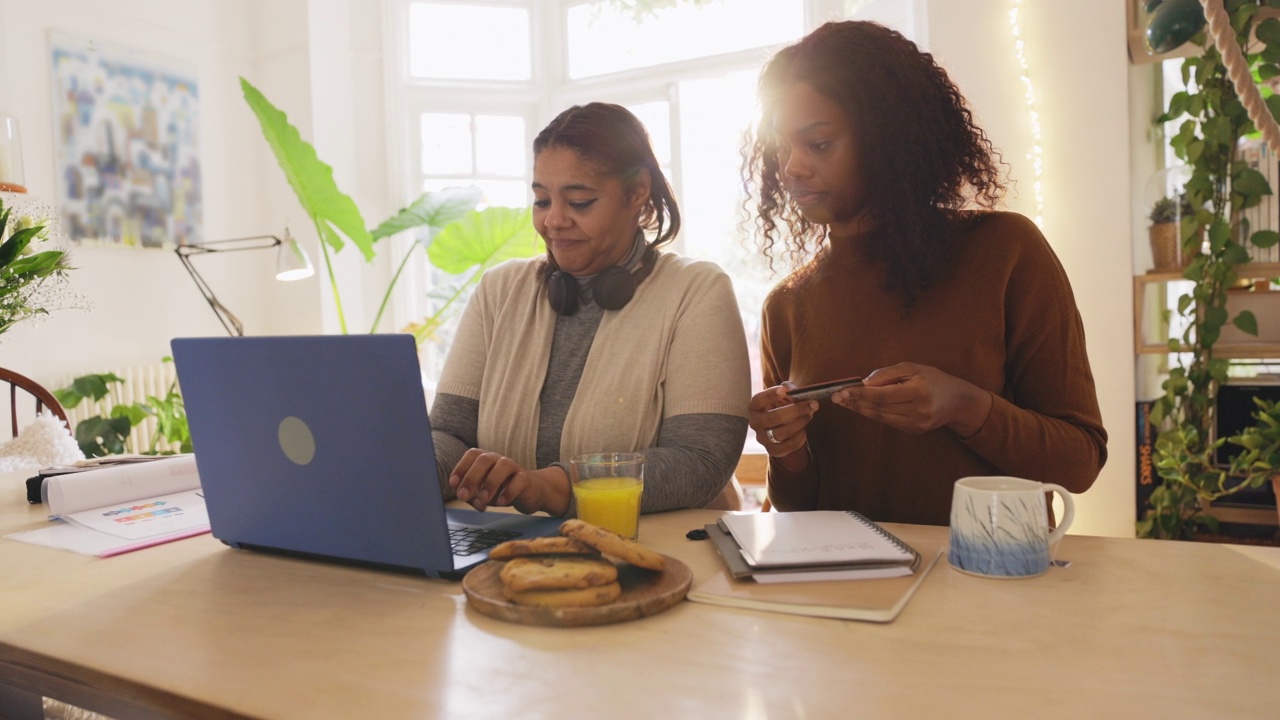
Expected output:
{"points": [[610, 502]]}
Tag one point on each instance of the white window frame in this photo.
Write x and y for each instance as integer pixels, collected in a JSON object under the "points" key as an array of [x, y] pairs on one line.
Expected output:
{"points": [[549, 91]]}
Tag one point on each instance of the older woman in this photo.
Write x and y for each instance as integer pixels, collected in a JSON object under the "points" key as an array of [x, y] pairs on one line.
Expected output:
{"points": [[605, 345]]}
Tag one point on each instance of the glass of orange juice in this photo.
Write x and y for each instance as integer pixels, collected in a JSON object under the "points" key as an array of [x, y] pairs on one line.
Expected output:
{"points": [[607, 487]]}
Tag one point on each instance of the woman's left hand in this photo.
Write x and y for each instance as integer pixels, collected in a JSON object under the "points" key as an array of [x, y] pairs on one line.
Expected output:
{"points": [[918, 398], [484, 478]]}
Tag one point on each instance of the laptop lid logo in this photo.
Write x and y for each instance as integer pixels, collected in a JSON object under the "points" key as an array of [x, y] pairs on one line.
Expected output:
{"points": [[296, 440]]}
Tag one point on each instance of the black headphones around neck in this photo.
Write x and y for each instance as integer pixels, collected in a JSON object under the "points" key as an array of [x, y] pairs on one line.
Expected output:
{"points": [[612, 289]]}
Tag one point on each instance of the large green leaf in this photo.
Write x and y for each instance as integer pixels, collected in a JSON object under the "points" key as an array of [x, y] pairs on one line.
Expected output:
{"points": [[86, 386], [16, 243], [485, 238], [1246, 322], [99, 436], [1251, 182], [41, 264], [1265, 238], [433, 209], [311, 179]]}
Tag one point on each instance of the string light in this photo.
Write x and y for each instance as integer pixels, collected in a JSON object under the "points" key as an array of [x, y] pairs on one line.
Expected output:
{"points": [[1036, 156]]}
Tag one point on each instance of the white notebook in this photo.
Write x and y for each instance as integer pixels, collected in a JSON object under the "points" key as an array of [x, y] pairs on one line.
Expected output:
{"points": [[814, 538]]}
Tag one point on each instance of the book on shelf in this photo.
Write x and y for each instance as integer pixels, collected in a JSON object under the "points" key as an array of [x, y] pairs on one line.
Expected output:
{"points": [[1147, 479], [873, 591], [113, 510]]}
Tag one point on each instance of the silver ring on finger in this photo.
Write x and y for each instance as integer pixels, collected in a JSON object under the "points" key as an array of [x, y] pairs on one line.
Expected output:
{"points": [[769, 434]]}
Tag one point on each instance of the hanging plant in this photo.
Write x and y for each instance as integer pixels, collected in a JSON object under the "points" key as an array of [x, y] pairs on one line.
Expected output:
{"points": [[1219, 190]]}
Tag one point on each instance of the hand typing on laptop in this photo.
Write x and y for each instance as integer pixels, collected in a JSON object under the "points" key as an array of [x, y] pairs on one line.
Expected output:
{"points": [[482, 478]]}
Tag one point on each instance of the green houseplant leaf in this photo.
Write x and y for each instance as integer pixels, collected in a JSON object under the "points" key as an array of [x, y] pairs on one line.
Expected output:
{"points": [[311, 178], [39, 264], [106, 434], [485, 238], [94, 387], [1246, 322], [433, 209], [99, 436], [480, 239], [16, 243], [458, 239]]}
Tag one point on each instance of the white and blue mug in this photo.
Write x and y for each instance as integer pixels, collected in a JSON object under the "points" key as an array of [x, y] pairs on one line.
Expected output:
{"points": [[1000, 526]]}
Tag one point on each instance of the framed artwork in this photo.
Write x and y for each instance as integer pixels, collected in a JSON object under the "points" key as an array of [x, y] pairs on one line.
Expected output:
{"points": [[127, 145]]}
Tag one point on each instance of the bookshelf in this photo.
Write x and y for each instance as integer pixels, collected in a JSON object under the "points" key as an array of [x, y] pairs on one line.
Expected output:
{"points": [[1227, 347]]}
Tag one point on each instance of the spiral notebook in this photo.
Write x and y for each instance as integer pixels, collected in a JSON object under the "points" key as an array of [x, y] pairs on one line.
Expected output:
{"points": [[821, 592], [814, 539]]}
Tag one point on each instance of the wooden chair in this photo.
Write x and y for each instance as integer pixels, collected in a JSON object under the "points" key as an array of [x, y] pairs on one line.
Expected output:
{"points": [[43, 398]]}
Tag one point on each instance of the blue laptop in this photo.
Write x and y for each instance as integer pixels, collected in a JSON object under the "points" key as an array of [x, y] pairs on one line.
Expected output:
{"points": [[321, 447]]}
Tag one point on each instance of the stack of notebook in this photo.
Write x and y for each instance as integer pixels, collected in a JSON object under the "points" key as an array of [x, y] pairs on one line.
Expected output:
{"points": [[810, 546], [804, 562]]}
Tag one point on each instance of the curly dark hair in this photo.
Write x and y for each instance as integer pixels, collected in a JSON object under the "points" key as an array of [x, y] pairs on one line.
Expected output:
{"points": [[925, 160], [611, 136]]}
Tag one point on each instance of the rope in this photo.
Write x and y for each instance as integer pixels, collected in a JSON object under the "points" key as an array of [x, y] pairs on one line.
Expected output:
{"points": [[1224, 38]]}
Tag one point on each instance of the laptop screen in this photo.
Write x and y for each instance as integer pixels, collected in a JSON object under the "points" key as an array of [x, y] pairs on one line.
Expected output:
{"points": [[316, 444]]}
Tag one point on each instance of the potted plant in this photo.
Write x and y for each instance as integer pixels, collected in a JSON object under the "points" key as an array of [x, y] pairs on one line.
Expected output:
{"points": [[1260, 460], [456, 237], [107, 433], [1163, 233], [1213, 119]]}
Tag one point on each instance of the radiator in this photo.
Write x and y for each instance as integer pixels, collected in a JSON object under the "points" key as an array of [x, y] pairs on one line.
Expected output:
{"points": [[140, 382]]}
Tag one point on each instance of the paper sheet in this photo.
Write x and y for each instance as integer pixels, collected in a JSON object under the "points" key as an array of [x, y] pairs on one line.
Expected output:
{"points": [[66, 536], [161, 515], [123, 508]]}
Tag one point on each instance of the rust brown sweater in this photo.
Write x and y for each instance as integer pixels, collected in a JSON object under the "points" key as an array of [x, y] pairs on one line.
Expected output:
{"points": [[1002, 316]]}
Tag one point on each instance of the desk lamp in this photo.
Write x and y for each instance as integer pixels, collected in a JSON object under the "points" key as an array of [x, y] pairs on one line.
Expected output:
{"points": [[292, 263]]}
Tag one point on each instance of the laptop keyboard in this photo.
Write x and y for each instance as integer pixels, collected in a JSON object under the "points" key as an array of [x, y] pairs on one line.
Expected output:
{"points": [[469, 541]]}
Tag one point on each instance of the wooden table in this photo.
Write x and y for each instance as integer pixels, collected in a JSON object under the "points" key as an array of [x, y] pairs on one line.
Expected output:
{"points": [[194, 629]]}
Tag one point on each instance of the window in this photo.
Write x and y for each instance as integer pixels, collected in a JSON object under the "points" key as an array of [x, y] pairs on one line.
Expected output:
{"points": [[438, 50], [688, 71], [488, 151], [604, 38]]}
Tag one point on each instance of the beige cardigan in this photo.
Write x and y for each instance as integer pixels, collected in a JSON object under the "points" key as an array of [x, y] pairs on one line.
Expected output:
{"points": [[677, 348]]}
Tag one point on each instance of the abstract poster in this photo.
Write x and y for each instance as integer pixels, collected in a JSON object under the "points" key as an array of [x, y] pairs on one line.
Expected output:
{"points": [[127, 145]]}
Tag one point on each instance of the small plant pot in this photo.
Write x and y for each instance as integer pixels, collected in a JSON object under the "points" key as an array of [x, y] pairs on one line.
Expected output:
{"points": [[1164, 245]]}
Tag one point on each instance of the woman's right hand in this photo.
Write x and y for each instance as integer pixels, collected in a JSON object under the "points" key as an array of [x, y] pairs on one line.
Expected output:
{"points": [[485, 478], [780, 425]]}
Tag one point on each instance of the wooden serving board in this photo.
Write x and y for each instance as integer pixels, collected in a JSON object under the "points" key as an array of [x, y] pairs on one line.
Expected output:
{"points": [[644, 593]]}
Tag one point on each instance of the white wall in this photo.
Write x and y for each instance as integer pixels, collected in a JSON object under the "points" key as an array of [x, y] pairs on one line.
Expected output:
{"points": [[318, 60], [142, 298], [1080, 71]]}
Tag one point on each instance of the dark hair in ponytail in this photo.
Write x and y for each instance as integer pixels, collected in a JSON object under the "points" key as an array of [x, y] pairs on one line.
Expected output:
{"points": [[610, 136]]}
